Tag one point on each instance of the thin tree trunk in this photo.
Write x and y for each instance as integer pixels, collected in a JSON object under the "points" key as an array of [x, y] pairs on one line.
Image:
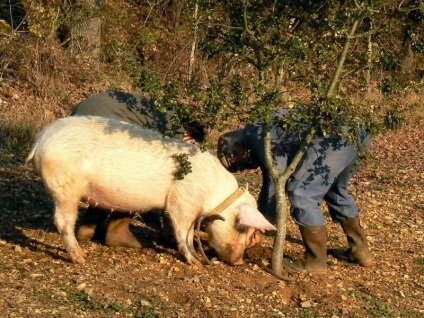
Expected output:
{"points": [[280, 180], [369, 55], [193, 45], [85, 30], [280, 76]]}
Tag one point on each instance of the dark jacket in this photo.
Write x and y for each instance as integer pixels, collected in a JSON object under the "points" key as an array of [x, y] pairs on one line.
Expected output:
{"points": [[129, 107]]}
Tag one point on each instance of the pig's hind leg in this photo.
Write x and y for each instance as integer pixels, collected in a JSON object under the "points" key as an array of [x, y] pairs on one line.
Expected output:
{"points": [[65, 217]]}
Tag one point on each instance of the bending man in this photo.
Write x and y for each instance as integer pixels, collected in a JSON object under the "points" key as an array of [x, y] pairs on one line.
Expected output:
{"points": [[322, 175]]}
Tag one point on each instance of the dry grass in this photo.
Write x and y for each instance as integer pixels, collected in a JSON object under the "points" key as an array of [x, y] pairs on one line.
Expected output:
{"points": [[42, 82]]}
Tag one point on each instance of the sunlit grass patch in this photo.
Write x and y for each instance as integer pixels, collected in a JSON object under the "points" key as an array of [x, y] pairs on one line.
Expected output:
{"points": [[15, 136]]}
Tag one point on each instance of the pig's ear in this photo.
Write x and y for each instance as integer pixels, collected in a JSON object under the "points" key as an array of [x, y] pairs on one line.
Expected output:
{"points": [[251, 217]]}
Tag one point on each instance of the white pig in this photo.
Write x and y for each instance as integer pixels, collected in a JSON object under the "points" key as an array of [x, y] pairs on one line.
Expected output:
{"points": [[123, 167]]}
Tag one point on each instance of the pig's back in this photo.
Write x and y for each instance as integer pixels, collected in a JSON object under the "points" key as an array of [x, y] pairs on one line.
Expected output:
{"points": [[116, 164]]}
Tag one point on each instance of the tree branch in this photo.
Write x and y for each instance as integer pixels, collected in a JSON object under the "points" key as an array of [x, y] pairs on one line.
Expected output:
{"points": [[342, 59], [246, 26]]}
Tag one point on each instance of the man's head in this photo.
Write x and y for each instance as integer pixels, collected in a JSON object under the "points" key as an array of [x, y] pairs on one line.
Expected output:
{"points": [[193, 131], [233, 152]]}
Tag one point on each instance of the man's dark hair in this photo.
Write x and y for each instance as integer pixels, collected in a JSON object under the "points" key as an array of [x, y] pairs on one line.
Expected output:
{"points": [[194, 129]]}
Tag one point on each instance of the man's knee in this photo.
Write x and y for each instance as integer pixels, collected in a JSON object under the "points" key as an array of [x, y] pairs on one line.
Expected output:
{"points": [[303, 198], [306, 208]]}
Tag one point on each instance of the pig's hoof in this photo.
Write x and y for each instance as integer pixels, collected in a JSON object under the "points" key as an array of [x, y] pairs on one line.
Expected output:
{"points": [[77, 258], [194, 261]]}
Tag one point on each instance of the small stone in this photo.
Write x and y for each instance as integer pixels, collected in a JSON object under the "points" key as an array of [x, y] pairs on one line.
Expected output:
{"points": [[145, 303], [306, 304], [90, 292], [17, 248], [35, 275], [81, 286], [265, 262], [110, 272]]}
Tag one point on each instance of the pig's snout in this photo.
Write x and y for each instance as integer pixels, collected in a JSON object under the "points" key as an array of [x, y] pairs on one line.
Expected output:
{"points": [[238, 262]]}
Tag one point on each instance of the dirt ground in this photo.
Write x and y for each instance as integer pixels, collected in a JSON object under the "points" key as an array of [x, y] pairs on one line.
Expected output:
{"points": [[37, 279]]}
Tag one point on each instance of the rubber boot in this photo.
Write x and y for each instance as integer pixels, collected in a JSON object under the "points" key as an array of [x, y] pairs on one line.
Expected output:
{"points": [[315, 260], [91, 223], [118, 231], [358, 251]]}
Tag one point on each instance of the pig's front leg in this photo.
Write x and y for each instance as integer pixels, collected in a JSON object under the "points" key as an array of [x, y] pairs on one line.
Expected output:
{"points": [[184, 232]]}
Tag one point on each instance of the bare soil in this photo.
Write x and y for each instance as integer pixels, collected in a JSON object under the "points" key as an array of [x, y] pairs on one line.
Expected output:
{"points": [[38, 280]]}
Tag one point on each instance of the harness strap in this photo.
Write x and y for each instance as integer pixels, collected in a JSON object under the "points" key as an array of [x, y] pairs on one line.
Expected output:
{"points": [[221, 207]]}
